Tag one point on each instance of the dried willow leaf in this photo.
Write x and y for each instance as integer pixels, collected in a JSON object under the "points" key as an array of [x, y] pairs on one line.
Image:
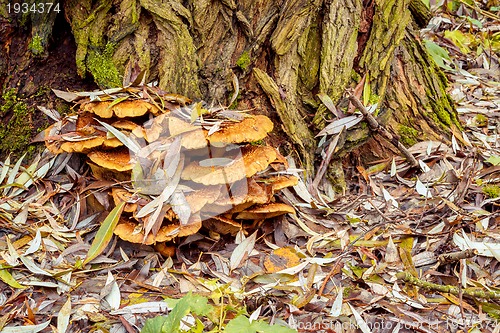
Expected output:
{"points": [[22, 217], [487, 249], [172, 157], [5, 169], [393, 167], [26, 328], [361, 323], [35, 243], [181, 207], [113, 297], [128, 142], [391, 253], [423, 166], [118, 100], [422, 189], [242, 251], [215, 128], [63, 316], [32, 267], [13, 174], [389, 198], [336, 309], [146, 307], [51, 113], [216, 161], [336, 126], [236, 88], [66, 95]]}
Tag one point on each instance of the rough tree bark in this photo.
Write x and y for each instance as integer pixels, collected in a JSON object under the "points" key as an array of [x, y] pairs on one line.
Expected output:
{"points": [[283, 52]]}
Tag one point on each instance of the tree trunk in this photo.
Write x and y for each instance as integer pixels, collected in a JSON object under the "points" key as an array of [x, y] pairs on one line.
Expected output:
{"points": [[282, 52]]}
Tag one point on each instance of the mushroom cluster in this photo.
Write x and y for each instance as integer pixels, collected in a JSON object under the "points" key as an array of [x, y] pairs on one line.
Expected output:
{"points": [[179, 166]]}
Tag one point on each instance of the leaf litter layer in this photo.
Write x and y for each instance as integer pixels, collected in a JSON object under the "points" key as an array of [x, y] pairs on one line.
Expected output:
{"points": [[401, 251]]}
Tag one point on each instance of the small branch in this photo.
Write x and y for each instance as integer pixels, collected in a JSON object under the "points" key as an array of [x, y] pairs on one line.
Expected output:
{"points": [[470, 292], [329, 155], [376, 127], [446, 258]]}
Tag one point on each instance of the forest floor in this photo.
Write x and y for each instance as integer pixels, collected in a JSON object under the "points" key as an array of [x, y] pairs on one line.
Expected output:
{"points": [[403, 250]]}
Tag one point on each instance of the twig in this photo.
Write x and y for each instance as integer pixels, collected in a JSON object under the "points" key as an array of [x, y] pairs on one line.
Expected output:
{"points": [[329, 155], [469, 292], [378, 211], [376, 127], [446, 258], [338, 262]]}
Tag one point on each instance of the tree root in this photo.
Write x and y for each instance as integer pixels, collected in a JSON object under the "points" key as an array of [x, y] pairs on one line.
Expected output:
{"points": [[376, 127]]}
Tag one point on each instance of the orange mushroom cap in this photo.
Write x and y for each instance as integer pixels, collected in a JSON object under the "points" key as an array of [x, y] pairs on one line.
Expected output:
{"points": [[116, 159], [250, 129], [132, 232], [265, 211], [128, 108], [252, 160]]}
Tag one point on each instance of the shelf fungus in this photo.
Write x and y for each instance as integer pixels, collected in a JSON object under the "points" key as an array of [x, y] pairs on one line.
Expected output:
{"points": [[124, 109], [116, 159], [250, 129], [244, 164], [178, 167]]}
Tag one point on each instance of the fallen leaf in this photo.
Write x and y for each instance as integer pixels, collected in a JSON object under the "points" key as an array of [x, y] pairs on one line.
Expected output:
{"points": [[27, 328], [6, 277], [104, 233], [32, 267], [242, 251], [63, 316]]}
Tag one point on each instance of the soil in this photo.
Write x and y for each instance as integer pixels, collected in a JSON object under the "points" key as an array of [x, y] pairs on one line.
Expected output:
{"points": [[34, 77]]}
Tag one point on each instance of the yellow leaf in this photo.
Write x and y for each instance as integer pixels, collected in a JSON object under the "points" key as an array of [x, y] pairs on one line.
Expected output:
{"points": [[280, 259], [405, 254], [197, 112], [6, 277], [104, 233]]}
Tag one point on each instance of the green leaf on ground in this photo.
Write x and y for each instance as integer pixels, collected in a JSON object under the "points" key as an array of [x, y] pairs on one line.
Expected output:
{"points": [[6, 277], [494, 159], [194, 304], [104, 233], [243, 324], [437, 53]]}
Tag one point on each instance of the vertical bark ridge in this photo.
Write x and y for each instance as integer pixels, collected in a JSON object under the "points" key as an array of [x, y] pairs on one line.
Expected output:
{"points": [[417, 102], [292, 123], [389, 23], [338, 51], [178, 67]]}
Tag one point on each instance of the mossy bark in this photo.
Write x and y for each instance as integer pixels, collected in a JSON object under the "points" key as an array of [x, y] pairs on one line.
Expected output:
{"points": [[33, 59], [283, 52]]}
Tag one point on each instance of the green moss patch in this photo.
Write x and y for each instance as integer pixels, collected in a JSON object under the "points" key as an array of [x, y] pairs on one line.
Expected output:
{"points": [[36, 45], [104, 71], [492, 191], [408, 135], [243, 61], [17, 124]]}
